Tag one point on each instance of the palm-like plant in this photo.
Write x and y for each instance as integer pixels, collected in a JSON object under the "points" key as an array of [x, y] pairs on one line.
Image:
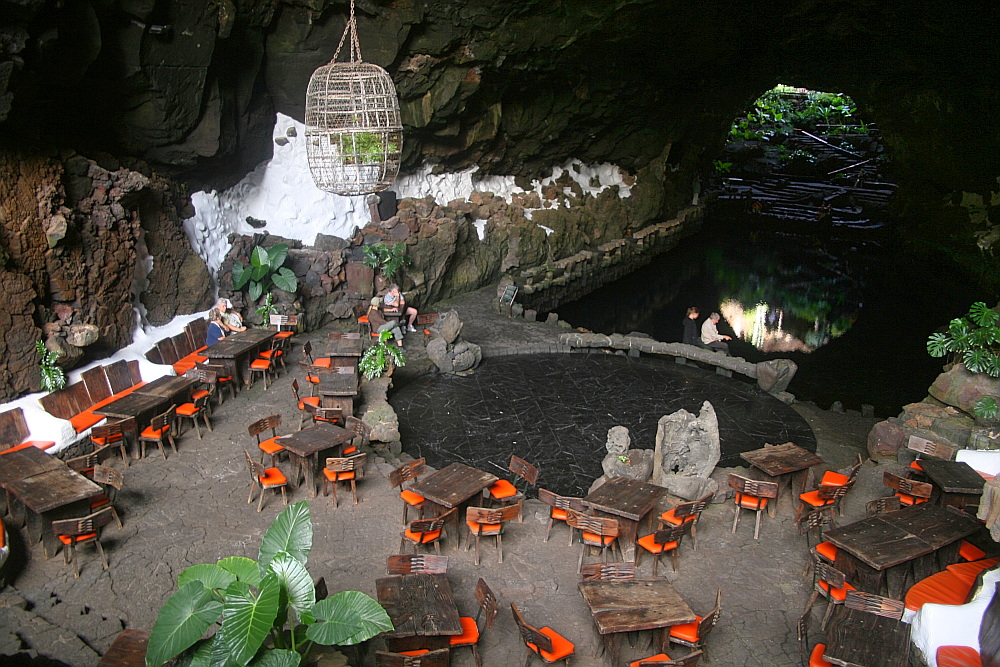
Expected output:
{"points": [[976, 338], [53, 377], [377, 358]]}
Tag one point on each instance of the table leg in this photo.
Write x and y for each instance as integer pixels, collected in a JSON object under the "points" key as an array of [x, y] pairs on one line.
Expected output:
{"points": [[309, 464], [627, 534], [613, 646]]}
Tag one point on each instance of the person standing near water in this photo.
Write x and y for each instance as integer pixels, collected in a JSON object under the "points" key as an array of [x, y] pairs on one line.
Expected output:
{"points": [[711, 337], [691, 327]]}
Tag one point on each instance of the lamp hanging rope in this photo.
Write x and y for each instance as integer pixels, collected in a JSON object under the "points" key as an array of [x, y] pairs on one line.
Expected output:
{"points": [[354, 137]]}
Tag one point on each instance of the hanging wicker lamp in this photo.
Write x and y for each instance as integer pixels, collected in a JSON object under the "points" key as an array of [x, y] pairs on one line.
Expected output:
{"points": [[354, 137]]}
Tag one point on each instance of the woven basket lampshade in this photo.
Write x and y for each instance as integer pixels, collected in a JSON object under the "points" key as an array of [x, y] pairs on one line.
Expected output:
{"points": [[354, 136]]}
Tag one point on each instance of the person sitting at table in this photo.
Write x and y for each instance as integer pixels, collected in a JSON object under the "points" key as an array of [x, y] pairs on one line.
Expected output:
{"points": [[231, 320], [394, 302], [379, 324], [215, 331]]}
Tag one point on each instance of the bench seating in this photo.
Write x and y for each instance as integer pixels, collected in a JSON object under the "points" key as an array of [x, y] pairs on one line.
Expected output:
{"points": [[100, 385], [951, 586], [182, 351], [14, 432]]}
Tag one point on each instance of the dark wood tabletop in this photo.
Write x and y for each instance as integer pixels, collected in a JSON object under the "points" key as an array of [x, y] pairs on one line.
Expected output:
{"points": [[861, 639], [953, 476], [892, 538], [346, 345], [26, 463], [239, 343], [54, 488], [634, 604], [419, 605], [628, 498], [132, 405], [337, 384], [777, 460], [168, 386], [314, 439], [453, 485]]}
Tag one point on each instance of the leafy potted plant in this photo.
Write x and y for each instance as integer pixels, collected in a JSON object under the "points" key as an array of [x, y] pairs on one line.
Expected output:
{"points": [[266, 269], [53, 377], [264, 612], [381, 357], [975, 339], [387, 259]]}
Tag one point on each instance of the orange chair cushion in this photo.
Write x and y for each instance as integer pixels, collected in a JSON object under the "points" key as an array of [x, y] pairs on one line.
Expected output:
{"points": [[15, 448], [188, 409], [671, 518], [751, 502], [40, 444], [838, 594], [958, 656], [154, 433], [502, 489], [273, 477], [470, 633], [411, 498], [558, 514], [969, 571], [322, 362], [686, 631], [271, 446], [561, 647], [416, 651], [422, 538], [338, 476], [350, 450], [84, 420], [831, 478], [827, 550], [72, 539], [594, 538], [816, 657], [200, 393], [812, 498], [483, 528], [100, 500], [267, 354], [312, 378], [915, 465], [658, 656], [907, 499], [969, 551], [224, 378], [284, 334], [260, 365], [649, 544], [311, 400], [363, 319], [941, 588]]}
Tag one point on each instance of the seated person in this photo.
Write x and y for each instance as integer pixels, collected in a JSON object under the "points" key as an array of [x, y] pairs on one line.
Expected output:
{"points": [[691, 328], [379, 324], [711, 337], [231, 320], [215, 331], [395, 303]]}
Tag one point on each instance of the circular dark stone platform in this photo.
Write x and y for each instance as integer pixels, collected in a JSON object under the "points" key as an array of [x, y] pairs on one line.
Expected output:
{"points": [[555, 411]]}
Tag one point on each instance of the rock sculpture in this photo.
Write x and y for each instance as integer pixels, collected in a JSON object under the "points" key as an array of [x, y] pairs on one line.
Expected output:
{"points": [[624, 462], [687, 450], [447, 350]]}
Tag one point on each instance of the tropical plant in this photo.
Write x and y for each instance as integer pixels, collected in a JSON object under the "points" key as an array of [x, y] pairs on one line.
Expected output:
{"points": [[377, 358], [722, 167], [976, 338], [53, 377], [987, 408], [267, 308], [265, 269], [366, 148], [386, 258], [253, 604]]}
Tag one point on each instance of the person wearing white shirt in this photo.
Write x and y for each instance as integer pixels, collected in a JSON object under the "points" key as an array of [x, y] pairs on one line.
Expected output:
{"points": [[711, 337]]}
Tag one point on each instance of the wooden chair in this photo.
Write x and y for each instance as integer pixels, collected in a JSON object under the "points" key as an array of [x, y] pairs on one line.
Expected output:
{"points": [[160, 429], [874, 604], [834, 478], [471, 629], [114, 434], [506, 492], [486, 522], [608, 571], [810, 657], [559, 506], [925, 447], [269, 446], [82, 530], [597, 532], [909, 492], [824, 497], [208, 384], [661, 542], [416, 563], [327, 415], [401, 475], [85, 464], [814, 521], [832, 584], [426, 531], [275, 354], [110, 479], [364, 326], [303, 403], [343, 470], [694, 634], [199, 406], [544, 642], [284, 325], [663, 660], [752, 495], [362, 432], [424, 322], [222, 381], [438, 658], [265, 478], [687, 513], [881, 505], [319, 362]]}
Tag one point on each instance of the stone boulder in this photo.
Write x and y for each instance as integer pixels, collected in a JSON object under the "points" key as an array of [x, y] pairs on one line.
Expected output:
{"points": [[886, 439], [963, 389], [448, 351], [637, 463], [774, 375], [448, 326], [687, 450]]}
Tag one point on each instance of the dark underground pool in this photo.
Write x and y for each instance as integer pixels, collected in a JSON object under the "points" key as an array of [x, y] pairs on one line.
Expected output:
{"points": [[555, 411]]}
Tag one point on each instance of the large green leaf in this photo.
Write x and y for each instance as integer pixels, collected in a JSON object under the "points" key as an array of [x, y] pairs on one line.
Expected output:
{"points": [[241, 275], [247, 618], [291, 531], [181, 622], [276, 657], [212, 576], [983, 315], [199, 655], [296, 581], [245, 569], [938, 344], [284, 279], [256, 289], [259, 258], [276, 255], [349, 617]]}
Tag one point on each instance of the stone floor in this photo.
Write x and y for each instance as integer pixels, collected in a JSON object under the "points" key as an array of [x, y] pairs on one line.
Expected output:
{"points": [[191, 508]]}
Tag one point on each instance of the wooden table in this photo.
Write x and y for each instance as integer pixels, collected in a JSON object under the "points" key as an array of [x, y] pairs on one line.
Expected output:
{"points": [[305, 446], [169, 387], [893, 542], [346, 345], [961, 486], [422, 609], [779, 463], [632, 605], [25, 463], [60, 493], [629, 500], [141, 406], [337, 388], [861, 639], [450, 487], [234, 352]]}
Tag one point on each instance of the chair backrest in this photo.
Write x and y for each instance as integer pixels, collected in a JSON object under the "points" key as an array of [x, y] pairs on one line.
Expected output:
{"points": [[428, 525], [930, 448], [107, 431], [426, 319], [307, 351], [325, 414], [753, 487], [708, 622], [672, 533], [852, 474], [167, 351], [608, 571], [883, 504], [828, 573], [835, 493], [409, 563], [814, 520], [561, 502], [874, 604], [84, 524], [524, 470], [439, 658], [907, 486], [693, 508], [487, 601], [163, 419], [802, 633], [492, 515], [359, 427], [603, 526], [346, 464], [690, 660], [261, 425], [110, 476], [81, 463], [257, 470], [407, 471], [529, 633], [13, 428]]}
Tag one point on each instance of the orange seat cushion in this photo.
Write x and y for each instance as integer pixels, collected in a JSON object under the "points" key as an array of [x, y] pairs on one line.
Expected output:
{"points": [[838, 594], [363, 319], [827, 550], [561, 647], [969, 571], [751, 502], [311, 400], [102, 440], [15, 448], [816, 657], [273, 477], [422, 538], [411, 498], [350, 450], [39, 444], [322, 362], [671, 518], [267, 354], [312, 378], [915, 465], [260, 365], [284, 334], [271, 446], [338, 476], [558, 514], [72, 539], [907, 499], [200, 393], [812, 498], [502, 489], [81, 422], [483, 528], [658, 656], [154, 433], [969, 551], [831, 478], [100, 500], [941, 588], [470, 633], [416, 651], [686, 631], [958, 656], [594, 538], [649, 544], [188, 409]]}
